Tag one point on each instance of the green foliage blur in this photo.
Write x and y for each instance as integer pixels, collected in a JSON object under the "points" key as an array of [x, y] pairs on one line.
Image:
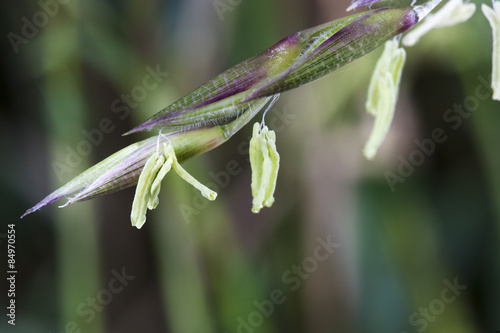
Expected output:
{"points": [[407, 243]]}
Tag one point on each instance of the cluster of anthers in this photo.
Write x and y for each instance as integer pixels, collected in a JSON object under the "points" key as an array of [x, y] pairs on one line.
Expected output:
{"points": [[149, 185], [264, 161]]}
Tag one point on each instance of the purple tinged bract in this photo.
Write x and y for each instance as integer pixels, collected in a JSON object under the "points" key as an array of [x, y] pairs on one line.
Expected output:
{"points": [[294, 61]]}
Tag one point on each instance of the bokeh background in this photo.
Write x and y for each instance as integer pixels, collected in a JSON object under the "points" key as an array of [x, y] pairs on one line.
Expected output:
{"points": [[216, 267]]}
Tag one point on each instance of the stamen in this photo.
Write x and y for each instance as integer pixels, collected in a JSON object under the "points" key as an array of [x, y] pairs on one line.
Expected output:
{"points": [[264, 161], [143, 190], [493, 16], [383, 94], [156, 187], [205, 191]]}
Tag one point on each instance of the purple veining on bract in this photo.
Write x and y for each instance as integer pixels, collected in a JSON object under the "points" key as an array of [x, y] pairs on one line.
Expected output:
{"points": [[359, 30], [265, 72], [252, 72]]}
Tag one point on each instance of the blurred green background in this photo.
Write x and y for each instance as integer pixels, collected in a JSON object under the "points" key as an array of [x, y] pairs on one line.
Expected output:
{"points": [[216, 267]]}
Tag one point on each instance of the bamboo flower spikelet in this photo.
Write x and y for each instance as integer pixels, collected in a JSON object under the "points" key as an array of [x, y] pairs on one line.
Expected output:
{"points": [[493, 16], [213, 113]]}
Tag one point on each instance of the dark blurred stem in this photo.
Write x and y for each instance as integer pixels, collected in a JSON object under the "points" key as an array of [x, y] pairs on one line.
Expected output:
{"points": [[76, 227]]}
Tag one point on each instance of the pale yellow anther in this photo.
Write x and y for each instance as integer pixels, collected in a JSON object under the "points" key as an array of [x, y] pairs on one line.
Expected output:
{"points": [[493, 16], [264, 161], [383, 94], [155, 188], [275, 164], [143, 190], [205, 191], [256, 159]]}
